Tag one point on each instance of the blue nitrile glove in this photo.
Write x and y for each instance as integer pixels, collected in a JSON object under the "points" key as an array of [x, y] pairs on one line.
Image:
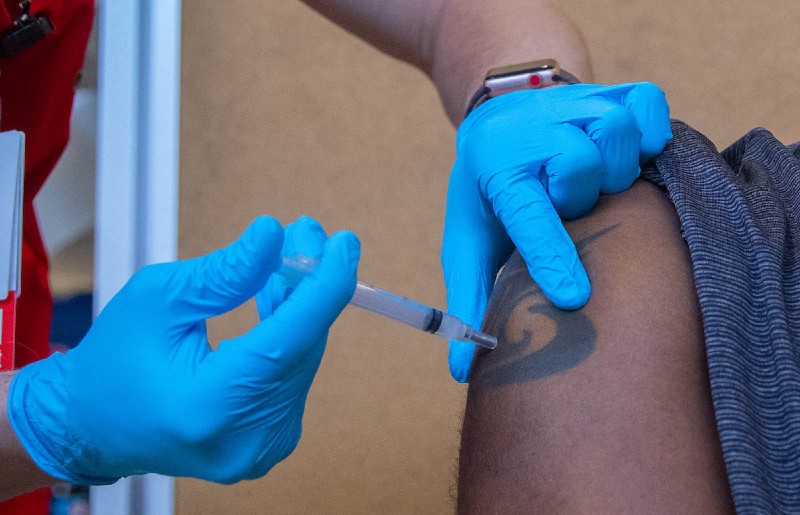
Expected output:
{"points": [[144, 392], [304, 236], [523, 159]]}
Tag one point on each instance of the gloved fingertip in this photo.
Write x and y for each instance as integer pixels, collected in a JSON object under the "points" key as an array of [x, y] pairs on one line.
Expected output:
{"points": [[308, 223], [264, 238], [621, 181], [349, 243], [304, 236], [264, 227], [649, 90], [649, 104], [653, 143], [571, 293], [334, 279], [576, 208], [460, 359], [562, 278]]}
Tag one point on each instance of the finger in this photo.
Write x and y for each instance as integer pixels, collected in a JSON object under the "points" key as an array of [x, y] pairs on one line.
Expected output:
{"points": [[649, 107], [469, 284], [474, 246], [304, 236], [571, 177], [279, 343], [617, 137], [220, 281], [537, 231]]}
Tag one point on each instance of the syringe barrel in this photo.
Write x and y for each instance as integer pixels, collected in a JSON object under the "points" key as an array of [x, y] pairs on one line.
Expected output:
{"points": [[394, 306], [294, 268], [452, 328]]}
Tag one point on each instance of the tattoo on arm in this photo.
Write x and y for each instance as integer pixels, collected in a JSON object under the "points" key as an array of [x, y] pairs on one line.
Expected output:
{"points": [[519, 360]]}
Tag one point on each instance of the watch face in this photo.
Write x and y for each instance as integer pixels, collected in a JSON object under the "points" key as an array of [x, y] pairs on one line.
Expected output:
{"points": [[529, 67]]}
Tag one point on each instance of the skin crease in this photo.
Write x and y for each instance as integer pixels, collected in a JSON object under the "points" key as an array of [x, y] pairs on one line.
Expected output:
{"points": [[603, 410]]}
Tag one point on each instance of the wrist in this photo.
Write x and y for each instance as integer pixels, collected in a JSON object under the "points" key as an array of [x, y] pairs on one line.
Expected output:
{"points": [[20, 472], [540, 74], [38, 413], [469, 41], [458, 96]]}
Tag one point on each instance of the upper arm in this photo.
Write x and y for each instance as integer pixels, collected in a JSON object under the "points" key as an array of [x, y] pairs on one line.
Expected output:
{"points": [[605, 409]]}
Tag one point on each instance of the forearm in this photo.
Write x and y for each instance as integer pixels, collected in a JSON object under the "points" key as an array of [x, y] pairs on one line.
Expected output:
{"points": [[19, 473], [456, 41]]}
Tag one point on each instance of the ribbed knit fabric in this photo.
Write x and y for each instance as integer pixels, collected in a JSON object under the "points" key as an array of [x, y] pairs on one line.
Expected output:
{"points": [[740, 216]]}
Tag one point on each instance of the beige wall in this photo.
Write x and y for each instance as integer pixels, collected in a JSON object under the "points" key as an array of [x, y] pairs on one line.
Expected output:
{"points": [[285, 114], [726, 65]]}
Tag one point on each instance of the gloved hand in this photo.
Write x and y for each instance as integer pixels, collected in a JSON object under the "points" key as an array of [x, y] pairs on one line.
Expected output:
{"points": [[144, 392], [523, 159], [305, 236]]}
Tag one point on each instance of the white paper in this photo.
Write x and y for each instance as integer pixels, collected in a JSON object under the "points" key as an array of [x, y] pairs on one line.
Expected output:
{"points": [[12, 156]]}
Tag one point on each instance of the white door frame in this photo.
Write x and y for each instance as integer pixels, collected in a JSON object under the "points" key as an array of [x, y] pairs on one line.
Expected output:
{"points": [[136, 215]]}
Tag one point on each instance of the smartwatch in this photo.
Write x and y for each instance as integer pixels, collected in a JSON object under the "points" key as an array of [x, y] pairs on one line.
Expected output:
{"points": [[531, 75]]}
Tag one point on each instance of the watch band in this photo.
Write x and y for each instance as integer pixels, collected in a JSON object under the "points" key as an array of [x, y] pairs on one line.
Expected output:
{"points": [[531, 75]]}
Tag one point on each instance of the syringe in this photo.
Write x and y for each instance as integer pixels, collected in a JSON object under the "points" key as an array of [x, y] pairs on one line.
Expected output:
{"points": [[390, 305]]}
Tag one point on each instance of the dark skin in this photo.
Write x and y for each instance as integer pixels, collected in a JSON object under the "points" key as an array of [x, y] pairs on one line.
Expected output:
{"points": [[574, 339], [606, 409]]}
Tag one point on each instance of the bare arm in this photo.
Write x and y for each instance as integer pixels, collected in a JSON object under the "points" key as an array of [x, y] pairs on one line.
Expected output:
{"points": [[456, 41], [19, 473], [606, 409]]}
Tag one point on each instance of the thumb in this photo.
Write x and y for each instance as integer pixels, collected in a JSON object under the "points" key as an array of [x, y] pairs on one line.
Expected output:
{"points": [[220, 281], [304, 236], [469, 282], [302, 321]]}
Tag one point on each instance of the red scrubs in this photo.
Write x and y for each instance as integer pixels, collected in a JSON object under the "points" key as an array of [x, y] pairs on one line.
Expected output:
{"points": [[36, 90]]}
